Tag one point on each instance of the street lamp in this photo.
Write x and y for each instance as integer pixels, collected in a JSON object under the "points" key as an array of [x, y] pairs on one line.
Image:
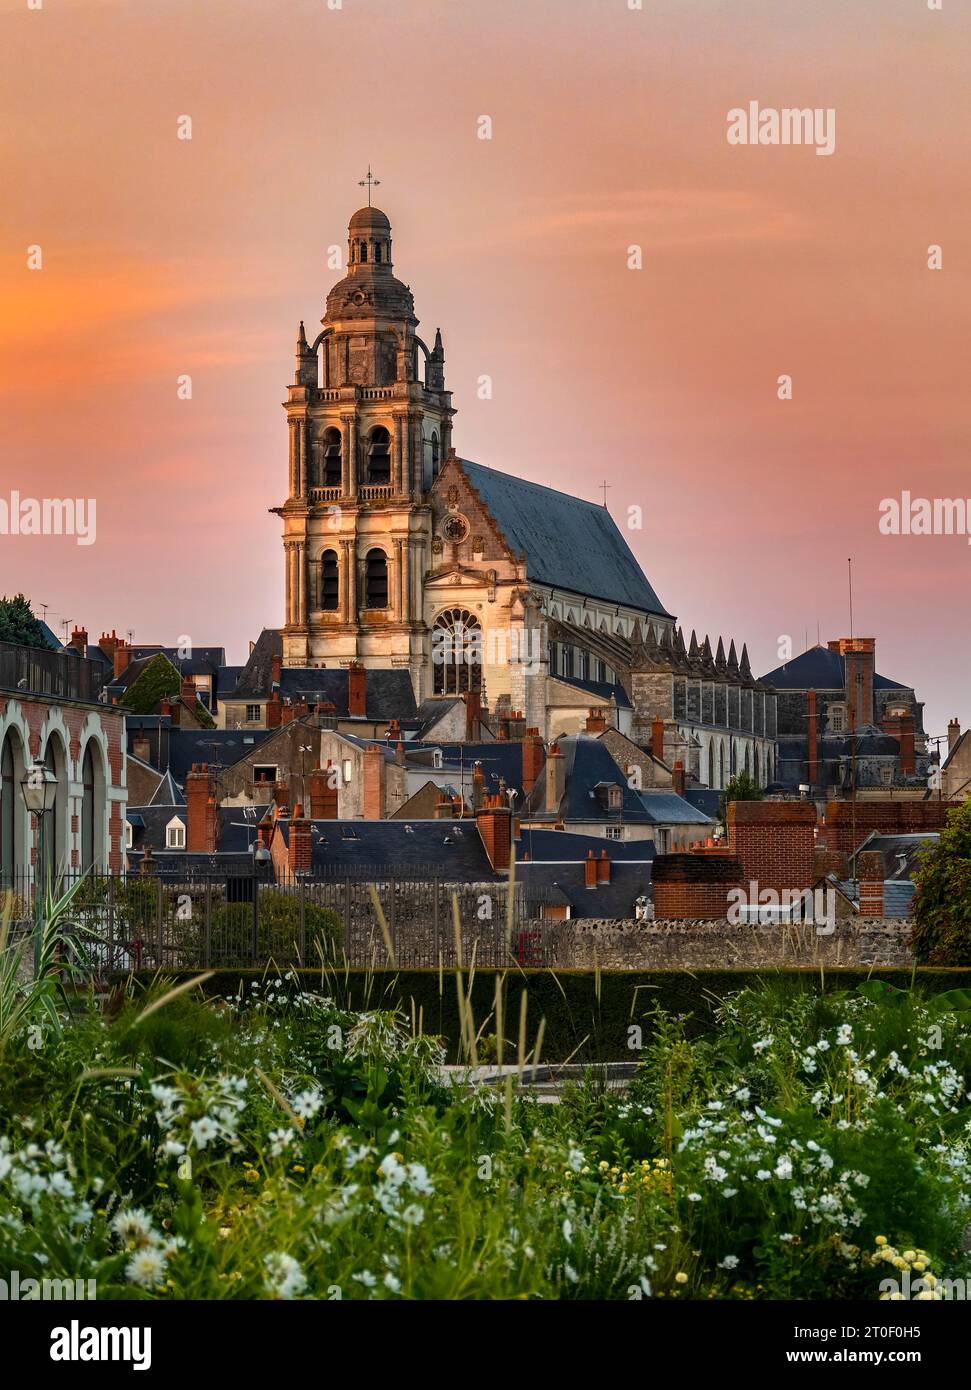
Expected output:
{"points": [[39, 788], [261, 857]]}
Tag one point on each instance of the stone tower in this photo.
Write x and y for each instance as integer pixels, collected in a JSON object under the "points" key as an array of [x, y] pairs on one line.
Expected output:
{"points": [[370, 422]]}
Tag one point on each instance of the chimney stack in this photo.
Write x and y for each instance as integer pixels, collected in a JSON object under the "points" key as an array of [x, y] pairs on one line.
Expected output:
{"points": [[534, 756], [953, 734], [677, 779], [657, 738], [79, 640], [323, 793], [596, 722], [603, 868], [356, 691], [473, 713], [375, 782], [555, 779], [870, 873], [494, 821], [301, 844], [122, 655], [590, 870], [200, 796]]}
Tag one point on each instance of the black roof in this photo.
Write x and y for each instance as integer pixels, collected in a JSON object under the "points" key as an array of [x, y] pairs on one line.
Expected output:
{"points": [[588, 764], [567, 883], [819, 668], [217, 747], [602, 691], [568, 543]]}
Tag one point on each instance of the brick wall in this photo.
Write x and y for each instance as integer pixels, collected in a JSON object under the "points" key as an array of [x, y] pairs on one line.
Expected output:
{"points": [[848, 826], [691, 886], [774, 841]]}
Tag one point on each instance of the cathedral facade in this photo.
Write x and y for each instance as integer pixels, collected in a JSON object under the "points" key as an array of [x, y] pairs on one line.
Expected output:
{"points": [[399, 553]]}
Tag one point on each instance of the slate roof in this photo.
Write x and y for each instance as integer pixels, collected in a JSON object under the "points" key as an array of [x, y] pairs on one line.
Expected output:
{"points": [[668, 808], [819, 668], [257, 674], [567, 883], [588, 764], [221, 747], [500, 759], [388, 692], [898, 895], [705, 799], [600, 690], [237, 831], [564, 847], [568, 543], [453, 849], [901, 853]]}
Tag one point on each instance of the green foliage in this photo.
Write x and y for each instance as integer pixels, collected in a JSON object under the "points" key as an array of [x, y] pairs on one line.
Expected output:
{"points": [[279, 931], [273, 1143], [157, 681], [18, 624], [942, 905], [742, 787], [588, 1015]]}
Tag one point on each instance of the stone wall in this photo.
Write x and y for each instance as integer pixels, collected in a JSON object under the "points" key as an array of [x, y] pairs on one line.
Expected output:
{"points": [[583, 943]]}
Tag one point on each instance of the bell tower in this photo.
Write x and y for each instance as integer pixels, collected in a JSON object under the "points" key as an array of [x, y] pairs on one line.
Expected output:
{"points": [[370, 423]]}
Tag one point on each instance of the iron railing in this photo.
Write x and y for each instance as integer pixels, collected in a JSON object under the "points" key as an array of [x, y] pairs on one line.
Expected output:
{"points": [[39, 671], [207, 919]]}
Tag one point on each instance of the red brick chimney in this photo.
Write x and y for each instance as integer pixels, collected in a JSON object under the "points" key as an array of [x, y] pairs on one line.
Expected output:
{"points": [[291, 711], [356, 690], [534, 756], [187, 691], [200, 796], [473, 713], [281, 795], [657, 739], [859, 657], [301, 845], [677, 779], [79, 640], [596, 722], [478, 787], [323, 793], [590, 870], [122, 655], [953, 734], [443, 807], [494, 821], [870, 872], [517, 725], [276, 669], [812, 757], [603, 868], [274, 710], [375, 782]]}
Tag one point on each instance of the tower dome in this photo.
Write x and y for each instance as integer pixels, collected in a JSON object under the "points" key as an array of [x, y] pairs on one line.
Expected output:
{"points": [[369, 288]]}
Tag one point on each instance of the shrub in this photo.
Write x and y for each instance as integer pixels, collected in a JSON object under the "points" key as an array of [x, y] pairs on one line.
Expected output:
{"points": [[942, 906]]}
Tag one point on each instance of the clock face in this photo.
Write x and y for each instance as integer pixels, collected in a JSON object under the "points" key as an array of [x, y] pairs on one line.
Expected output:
{"points": [[455, 528]]}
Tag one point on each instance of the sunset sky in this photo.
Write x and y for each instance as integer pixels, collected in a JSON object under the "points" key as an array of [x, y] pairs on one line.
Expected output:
{"points": [[164, 256]]}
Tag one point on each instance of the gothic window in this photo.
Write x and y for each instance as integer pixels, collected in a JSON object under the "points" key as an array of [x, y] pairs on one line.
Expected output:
{"points": [[88, 809], [758, 777], [376, 579], [332, 458], [363, 251], [711, 764], [329, 581], [457, 652], [436, 459], [379, 456], [9, 791]]}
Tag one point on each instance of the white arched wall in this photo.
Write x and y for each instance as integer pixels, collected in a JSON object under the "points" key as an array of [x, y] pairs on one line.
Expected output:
{"points": [[92, 732]]}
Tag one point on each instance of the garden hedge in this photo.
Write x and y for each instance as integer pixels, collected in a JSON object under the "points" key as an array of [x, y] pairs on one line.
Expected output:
{"points": [[588, 1013]]}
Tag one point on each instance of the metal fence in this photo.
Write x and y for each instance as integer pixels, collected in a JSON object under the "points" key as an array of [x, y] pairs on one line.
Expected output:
{"points": [[38, 671], [213, 921]]}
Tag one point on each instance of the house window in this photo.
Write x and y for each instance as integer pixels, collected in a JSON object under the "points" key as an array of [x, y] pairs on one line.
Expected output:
{"points": [[837, 718], [264, 772], [175, 835], [128, 835], [614, 832], [253, 714], [662, 841], [376, 579], [329, 582], [346, 771], [615, 798]]}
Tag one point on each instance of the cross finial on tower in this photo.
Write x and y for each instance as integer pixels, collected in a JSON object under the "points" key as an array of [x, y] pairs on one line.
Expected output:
{"points": [[367, 183], [605, 485]]}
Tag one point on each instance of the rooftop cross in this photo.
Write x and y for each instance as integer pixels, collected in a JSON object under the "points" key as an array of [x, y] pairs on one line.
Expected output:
{"points": [[605, 485], [362, 183]]}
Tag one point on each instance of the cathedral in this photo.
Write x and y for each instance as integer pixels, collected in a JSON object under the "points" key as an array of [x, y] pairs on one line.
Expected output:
{"points": [[400, 554]]}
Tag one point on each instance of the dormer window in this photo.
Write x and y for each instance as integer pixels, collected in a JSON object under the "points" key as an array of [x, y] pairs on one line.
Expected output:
{"points": [[175, 834]]}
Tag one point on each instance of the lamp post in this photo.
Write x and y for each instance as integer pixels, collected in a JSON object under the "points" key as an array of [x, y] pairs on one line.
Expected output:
{"points": [[39, 788], [261, 857]]}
